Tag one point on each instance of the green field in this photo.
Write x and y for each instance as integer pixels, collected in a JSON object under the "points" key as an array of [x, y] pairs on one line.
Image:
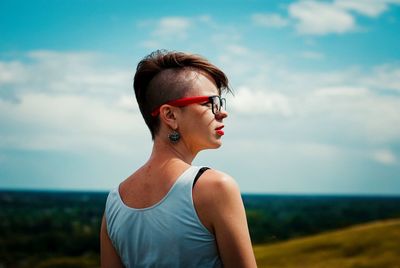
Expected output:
{"points": [[374, 244]]}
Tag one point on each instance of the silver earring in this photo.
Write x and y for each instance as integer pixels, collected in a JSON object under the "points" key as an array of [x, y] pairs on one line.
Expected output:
{"points": [[174, 136]]}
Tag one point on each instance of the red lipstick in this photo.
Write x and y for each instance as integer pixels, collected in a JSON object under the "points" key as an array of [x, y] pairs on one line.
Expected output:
{"points": [[219, 130]]}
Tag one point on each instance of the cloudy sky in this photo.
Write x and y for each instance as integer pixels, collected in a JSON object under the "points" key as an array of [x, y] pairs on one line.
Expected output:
{"points": [[317, 91]]}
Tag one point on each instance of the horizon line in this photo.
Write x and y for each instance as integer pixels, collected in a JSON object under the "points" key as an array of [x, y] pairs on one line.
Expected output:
{"points": [[300, 194]]}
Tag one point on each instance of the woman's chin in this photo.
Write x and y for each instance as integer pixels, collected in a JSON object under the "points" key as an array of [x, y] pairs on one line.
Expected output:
{"points": [[217, 144]]}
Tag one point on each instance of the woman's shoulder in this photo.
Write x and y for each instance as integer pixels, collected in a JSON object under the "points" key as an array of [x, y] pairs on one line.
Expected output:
{"points": [[217, 178], [215, 185]]}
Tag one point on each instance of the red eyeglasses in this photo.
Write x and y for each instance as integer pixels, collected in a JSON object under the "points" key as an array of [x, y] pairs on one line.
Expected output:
{"points": [[216, 101]]}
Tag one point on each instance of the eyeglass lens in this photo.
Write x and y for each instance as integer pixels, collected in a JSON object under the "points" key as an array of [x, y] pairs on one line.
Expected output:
{"points": [[218, 102]]}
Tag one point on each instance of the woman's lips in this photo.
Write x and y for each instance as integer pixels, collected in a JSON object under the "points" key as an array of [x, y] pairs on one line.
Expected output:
{"points": [[219, 130]]}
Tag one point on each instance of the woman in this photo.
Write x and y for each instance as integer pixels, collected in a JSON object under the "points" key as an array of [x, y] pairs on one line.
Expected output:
{"points": [[169, 213]]}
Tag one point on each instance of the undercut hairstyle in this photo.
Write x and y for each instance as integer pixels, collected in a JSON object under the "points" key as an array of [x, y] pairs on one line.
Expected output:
{"points": [[163, 76]]}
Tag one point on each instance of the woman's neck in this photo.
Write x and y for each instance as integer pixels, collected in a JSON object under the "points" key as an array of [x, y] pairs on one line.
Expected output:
{"points": [[163, 151]]}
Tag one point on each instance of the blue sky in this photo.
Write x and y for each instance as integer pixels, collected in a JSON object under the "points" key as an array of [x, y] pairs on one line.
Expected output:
{"points": [[317, 91]]}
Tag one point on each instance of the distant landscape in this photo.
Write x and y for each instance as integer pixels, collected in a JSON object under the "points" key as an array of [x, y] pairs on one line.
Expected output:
{"points": [[369, 245], [60, 229]]}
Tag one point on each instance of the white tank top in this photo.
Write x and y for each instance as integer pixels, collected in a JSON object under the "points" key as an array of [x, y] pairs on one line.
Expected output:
{"points": [[167, 234]]}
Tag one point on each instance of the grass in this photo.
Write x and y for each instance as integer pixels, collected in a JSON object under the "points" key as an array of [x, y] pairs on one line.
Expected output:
{"points": [[370, 245]]}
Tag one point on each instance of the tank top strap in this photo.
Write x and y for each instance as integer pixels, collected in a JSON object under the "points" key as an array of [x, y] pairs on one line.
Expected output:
{"points": [[186, 180]]}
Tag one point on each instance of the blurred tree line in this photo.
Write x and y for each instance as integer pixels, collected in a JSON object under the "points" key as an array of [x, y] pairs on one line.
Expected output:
{"points": [[276, 218], [61, 229], [41, 229]]}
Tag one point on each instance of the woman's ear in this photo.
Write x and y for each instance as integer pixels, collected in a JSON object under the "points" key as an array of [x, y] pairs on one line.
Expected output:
{"points": [[168, 116]]}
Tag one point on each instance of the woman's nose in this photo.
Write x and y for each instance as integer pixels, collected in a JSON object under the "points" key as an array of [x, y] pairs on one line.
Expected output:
{"points": [[221, 115]]}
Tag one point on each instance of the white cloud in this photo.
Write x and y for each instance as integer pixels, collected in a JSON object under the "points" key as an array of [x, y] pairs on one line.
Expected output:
{"points": [[358, 114], [67, 101], [318, 150], [343, 91], [69, 122], [320, 18], [246, 67], [269, 20], [343, 106], [385, 76], [172, 28], [9, 72], [50, 71], [370, 8], [127, 102], [166, 31], [255, 102], [384, 156]]}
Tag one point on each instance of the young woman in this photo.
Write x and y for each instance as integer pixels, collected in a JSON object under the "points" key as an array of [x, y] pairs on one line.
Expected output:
{"points": [[169, 213]]}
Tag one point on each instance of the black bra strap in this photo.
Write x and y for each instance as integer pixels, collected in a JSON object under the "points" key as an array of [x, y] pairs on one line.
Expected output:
{"points": [[201, 171]]}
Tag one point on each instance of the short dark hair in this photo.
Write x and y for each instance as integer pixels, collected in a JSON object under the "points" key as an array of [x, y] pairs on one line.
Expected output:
{"points": [[162, 76]]}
